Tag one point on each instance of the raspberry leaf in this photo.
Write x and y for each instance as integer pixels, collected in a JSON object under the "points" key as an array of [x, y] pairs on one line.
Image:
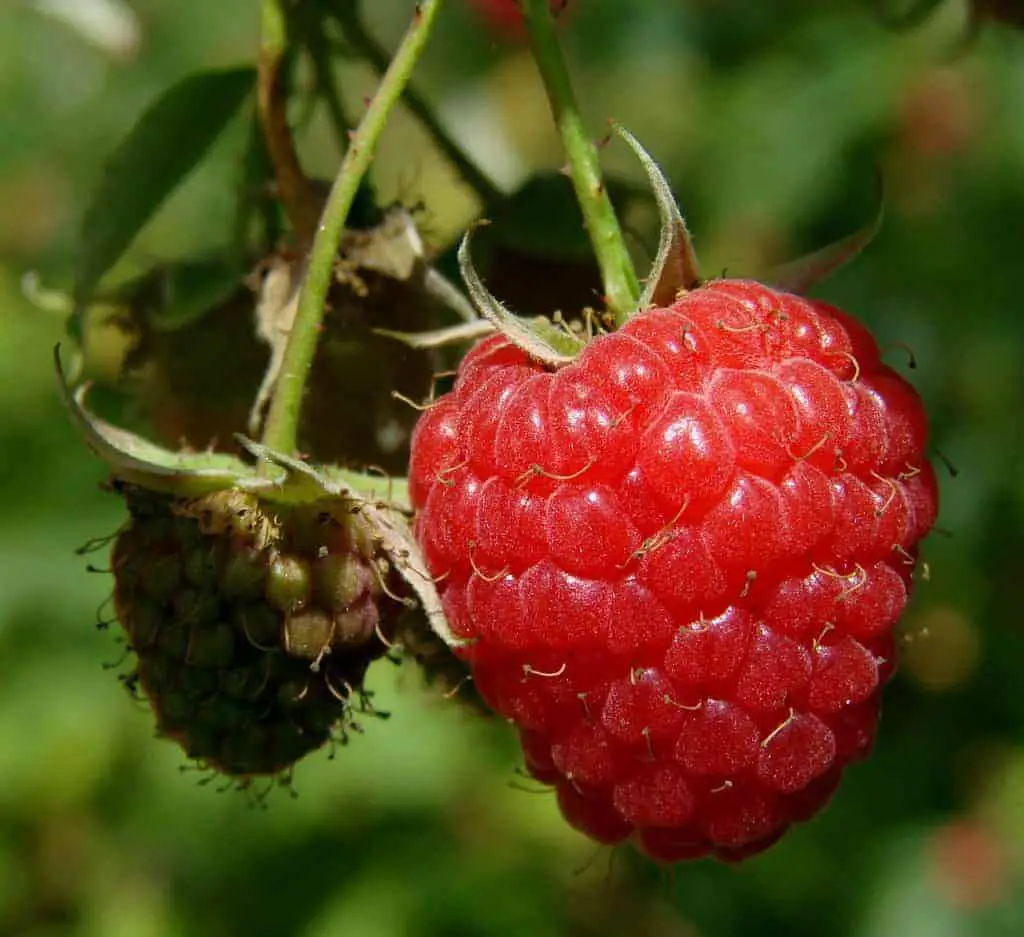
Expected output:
{"points": [[171, 137], [675, 268], [540, 338]]}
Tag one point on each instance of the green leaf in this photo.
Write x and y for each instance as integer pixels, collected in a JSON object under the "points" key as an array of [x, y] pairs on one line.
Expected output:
{"points": [[170, 138]]}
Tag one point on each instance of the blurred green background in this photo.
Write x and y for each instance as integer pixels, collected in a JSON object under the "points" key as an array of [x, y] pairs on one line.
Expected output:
{"points": [[772, 119]]}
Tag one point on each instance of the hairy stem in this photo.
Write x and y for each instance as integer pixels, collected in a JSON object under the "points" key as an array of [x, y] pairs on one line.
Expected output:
{"points": [[376, 55], [621, 287], [293, 188], [281, 431]]}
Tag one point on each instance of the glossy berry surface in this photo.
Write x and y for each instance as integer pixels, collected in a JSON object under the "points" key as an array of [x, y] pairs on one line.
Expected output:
{"points": [[677, 561]]}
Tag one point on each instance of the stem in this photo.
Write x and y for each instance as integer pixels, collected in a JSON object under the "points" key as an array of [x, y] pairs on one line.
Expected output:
{"points": [[374, 53], [293, 188], [281, 430], [621, 287]]}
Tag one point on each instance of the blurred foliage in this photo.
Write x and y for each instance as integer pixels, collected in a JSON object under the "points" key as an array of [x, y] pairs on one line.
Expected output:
{"points": [[772, 119]]}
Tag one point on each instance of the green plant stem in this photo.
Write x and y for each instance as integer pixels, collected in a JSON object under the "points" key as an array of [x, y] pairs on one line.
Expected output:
{"points": [[273, 30], [281, 431], [621, 287], [373, 52]]}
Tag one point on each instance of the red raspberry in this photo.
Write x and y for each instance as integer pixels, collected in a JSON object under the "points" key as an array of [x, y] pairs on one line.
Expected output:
{"points": [[503, 16], [678, 560]]}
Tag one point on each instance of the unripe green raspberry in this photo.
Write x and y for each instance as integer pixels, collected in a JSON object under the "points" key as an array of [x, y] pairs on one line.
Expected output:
{"points": [[289, 583], [309, 634], [243, 575], [340, 577], [253, 626]]}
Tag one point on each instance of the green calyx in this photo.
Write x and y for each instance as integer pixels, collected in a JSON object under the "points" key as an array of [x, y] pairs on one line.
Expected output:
{"points": [[139, 461], [277, 482], [674, 272], [557, 343]]}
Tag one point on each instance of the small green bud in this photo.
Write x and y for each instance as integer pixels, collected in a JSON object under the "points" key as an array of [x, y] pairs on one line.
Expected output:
{"points": [[289, 583], [243, 683], [293, 692], [357, 625], [340, 579], [309, 634], [244, 575], [176, 711], [225, 715], [201, 566]]}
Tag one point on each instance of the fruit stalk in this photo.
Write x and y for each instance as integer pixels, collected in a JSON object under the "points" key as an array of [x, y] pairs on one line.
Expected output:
{"points": [[281, 430], [370, 49], [621, 287]]}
